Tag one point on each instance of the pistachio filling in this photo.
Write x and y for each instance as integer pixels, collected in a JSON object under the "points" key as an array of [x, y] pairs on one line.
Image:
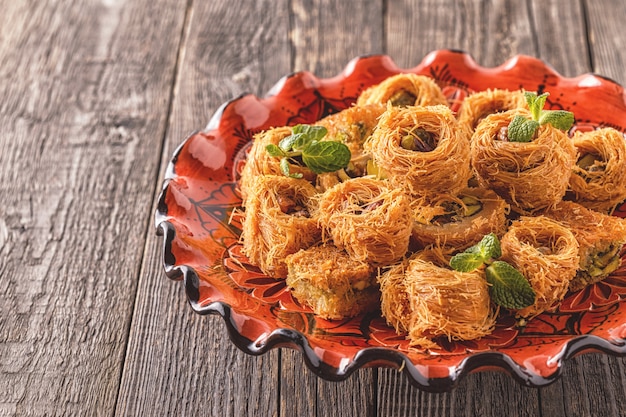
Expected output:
{"points": [[603, 263], [403, 98], [357, 167], [418, 139], [590, 163], [292, 207], [455, 212]]}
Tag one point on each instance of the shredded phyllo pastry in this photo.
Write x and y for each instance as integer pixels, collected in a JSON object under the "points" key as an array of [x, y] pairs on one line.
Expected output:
{"points": [[530, 176], [368, 219], [599, 175], [421, 150], [334, 284], [441, 221], [425, 298], [545, 252], [481, 104], [278, 221]]}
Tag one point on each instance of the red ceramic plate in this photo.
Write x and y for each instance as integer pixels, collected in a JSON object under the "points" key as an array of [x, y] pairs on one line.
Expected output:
{"points": [[201, 237]]}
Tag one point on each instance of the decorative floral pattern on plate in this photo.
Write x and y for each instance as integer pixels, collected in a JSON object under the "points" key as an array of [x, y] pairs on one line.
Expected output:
{"points": [[198, 215]]}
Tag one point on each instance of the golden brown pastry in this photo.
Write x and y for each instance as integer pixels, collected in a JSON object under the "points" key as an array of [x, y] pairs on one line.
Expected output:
{"points": [[479, 105], [404, 90], [278, 221], [600, 238], [529, 175], [332, 283], [260, 162], [368, 219], [421, 150], [424, 298], [546, 253], [461, 220], [599, 176]]}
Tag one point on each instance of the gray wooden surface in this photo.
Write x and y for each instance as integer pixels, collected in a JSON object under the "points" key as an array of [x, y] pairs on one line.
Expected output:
{"points": [[96, 95]]}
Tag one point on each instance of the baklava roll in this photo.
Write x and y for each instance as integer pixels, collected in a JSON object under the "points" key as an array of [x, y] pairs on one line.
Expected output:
{"points": [[404, 90], [599, 176], [546, 253], [421, 150], [600, 238], [260, 162], [480, 104], [368, 219], [528, 175], [332, 283], [424, 298], [461, 220], [278, 221]]}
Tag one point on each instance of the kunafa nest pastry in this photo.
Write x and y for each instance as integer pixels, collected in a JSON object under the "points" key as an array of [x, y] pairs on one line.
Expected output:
{"points": [[422, 150], [599, 176], [600, 238], [546, 254], [331, 282], [368, 219], [423, 297], [404, 90], [480, 104], [259, 162], [352, 126], [529, 175], [278, 221], [461, 220]]}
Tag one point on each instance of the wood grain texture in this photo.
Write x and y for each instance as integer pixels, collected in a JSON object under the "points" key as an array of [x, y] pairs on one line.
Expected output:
{"points": [[605, 33], [180, 363], [491, 31], [85, 88]]}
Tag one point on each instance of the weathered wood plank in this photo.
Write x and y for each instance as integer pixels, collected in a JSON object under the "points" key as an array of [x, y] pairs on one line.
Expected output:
{"points": [[180, 363], [491, 31], [606, 36], [85, 88], [326, 35]]}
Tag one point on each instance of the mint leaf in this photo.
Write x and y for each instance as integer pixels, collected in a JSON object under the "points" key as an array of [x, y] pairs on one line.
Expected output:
{"points": [[304, 146], [311, 132], [521, 129], [535, 103], [560, 119], [284, 167], [326, 156], [286, 143], [488, 247], [475, 256], [466, 262], [274, 150], [508, 287]]}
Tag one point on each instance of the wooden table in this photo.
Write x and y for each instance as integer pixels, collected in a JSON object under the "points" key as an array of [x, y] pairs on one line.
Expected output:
{"points": [[96, 95]]}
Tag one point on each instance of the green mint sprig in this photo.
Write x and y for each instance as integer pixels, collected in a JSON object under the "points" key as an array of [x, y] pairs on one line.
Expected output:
{"points": [[522, 129], [507, 286], [305, 147]]}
